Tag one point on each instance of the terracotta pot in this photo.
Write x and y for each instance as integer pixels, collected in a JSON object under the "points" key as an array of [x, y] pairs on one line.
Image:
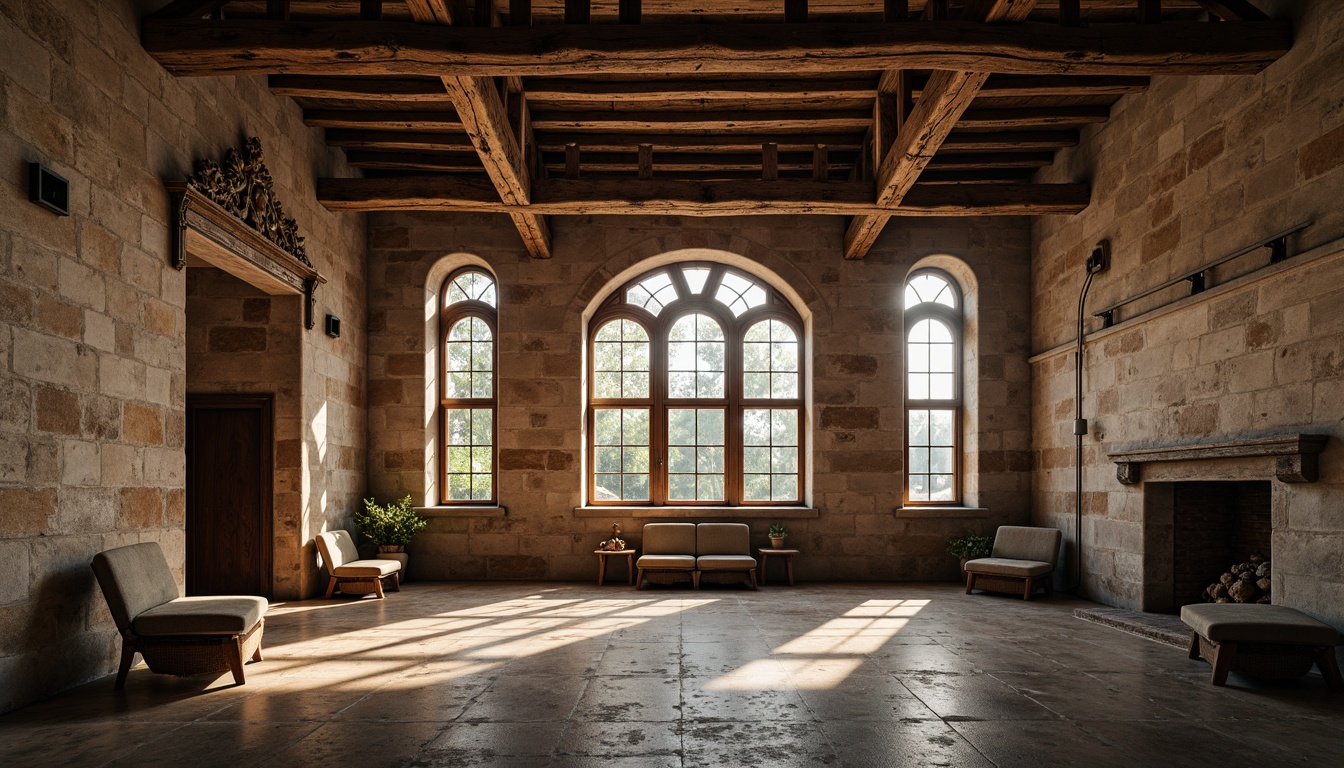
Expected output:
{"points": [[777, 542]]}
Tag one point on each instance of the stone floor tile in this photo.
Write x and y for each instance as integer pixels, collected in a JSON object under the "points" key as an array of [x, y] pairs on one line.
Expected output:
{"points": [[902, 745], [367, 745], [632, 697], [973, 697], [211, 745], [771, 743], [1042, 744], [521, 699], [466, 741], [620, 739]]}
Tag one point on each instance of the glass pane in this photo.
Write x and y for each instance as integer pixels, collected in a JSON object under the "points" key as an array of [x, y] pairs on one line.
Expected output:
{"points": [[471, 286], [940, 460], [695, 358], [756, 459], [756, 426], [459, 487], [653, 293], [681, 427], [940, 423], [607, 384], [482, 488], [784, 386], [919, 487], [919, 459], [739, 294], [621, 454], [756, 385], [940, 358], [681, 487], [481, 459], [785, 488], [919, 386], [939, 333], [756, 487], [929, 288], [621, 361], [711, 426], [784, 459], [696, 278], [459, 459], [635, 385], [919, 427], [696, 452], [681, 459], [709, 459], [710, 487], [784, 427], [917, 359], [481, 385], [482, 427], [940, 488], [470, 454], [942, 386]]}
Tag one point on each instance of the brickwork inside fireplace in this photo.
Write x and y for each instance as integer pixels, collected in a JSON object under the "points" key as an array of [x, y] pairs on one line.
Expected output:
{"points": [[1216, 524]]}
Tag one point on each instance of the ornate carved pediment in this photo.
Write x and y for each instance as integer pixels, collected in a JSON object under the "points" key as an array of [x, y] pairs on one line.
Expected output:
{"points": [[243, 187], [227, 216]]}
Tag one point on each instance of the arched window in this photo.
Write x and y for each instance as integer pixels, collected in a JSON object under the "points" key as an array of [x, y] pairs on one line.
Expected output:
{"points": [[933, 323], [467, 398], [695, 392]]}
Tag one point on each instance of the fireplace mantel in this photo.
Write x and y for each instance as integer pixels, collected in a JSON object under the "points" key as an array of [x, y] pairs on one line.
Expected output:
{"points": [[1294, 456]]}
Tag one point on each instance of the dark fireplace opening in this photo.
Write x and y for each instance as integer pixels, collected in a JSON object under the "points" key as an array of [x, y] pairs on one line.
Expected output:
{"points": [[1217, 525]]}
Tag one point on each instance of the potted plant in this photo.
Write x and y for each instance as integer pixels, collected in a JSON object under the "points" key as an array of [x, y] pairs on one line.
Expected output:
{"points": [[391, 527], [777, 533], [972, 546]]}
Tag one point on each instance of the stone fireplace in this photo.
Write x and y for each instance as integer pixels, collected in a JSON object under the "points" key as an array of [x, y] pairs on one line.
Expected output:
{"points": [[1209, 506]]}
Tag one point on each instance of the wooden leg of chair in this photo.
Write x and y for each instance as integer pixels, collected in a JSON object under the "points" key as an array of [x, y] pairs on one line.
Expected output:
{"points": [[396, 581], [695, 579], [1223, 656], [752, 574], [970, 582], [788, 566], [1194, 646], [331, 587], [234, 656], [127, 658], [639, 580], [378, 588], [1026, 587], [256, 655], [1329, 666]]}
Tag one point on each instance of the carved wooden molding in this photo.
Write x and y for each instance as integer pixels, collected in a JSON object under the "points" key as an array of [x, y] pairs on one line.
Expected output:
{"points": [[1295, 456], [229, 218]]}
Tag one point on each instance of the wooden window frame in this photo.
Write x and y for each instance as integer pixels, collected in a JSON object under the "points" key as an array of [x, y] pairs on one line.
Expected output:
{"points": [[448, 317], [954, 318], [777, 307]]}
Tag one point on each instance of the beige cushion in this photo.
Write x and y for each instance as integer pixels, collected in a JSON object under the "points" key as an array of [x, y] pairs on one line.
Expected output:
{"points": [[232, 615], [1253, 623], [134, 579], [666, 562], [722, 539], [725, 562], [999, 566], [669, 539], [1014, 542], [337, 548], [370, 568]]}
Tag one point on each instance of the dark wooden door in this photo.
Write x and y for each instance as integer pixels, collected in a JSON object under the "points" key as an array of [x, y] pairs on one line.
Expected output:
{"points": [[229, 494]]}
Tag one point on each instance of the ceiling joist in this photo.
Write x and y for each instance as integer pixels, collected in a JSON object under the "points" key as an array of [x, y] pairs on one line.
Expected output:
{"points": [[193, 47]]}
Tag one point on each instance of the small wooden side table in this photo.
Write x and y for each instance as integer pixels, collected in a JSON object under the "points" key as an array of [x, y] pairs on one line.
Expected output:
{"points": [[603, 554], [787, 554]]}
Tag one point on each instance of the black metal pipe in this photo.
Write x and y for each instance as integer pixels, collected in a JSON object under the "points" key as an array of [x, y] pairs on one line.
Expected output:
{"points": [[1079, 429]]}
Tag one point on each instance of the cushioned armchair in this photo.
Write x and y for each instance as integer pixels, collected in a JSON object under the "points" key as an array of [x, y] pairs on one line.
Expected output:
{"points": [[1022, 561], [669, 552], [341, 558], [175, 635], [723, 553]]}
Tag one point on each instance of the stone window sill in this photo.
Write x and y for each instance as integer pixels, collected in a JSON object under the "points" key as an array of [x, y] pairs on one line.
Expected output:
{"points": [[462, 511], [701, 513], [942, 513]]}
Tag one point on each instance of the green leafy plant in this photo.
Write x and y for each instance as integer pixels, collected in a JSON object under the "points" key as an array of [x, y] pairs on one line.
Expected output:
{"points": [[393, 525], [777, 530], [970, 546]]}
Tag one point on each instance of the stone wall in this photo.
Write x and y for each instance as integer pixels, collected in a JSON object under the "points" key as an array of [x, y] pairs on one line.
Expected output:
{"points": [[853, 311], [92, 325], [1187, 172]]}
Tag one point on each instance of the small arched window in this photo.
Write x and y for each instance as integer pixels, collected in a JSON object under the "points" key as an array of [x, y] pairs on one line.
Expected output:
{"points": [[933, 324], [468, 402], [695, 391]]}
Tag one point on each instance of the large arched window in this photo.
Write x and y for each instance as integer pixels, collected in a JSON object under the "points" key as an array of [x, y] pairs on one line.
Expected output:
{"points": [[467, 394], [933, 323], [695, 392]]}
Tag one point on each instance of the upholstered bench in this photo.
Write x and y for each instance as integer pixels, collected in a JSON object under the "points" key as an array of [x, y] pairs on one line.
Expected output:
{"points": [[1261, 641], [1022, 561], [669, 554], [175, 635], [355, 576], [717, 552]]}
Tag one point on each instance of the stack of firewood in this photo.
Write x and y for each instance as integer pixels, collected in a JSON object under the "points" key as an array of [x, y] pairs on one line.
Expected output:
{"points": [[1246, 582]]}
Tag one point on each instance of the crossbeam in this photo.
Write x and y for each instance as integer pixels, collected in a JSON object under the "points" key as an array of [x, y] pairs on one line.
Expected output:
{"points": [[584, 197], [194, 47]]}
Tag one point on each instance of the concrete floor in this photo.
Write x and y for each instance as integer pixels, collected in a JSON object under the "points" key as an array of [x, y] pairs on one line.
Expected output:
{"points": [[541, 674]]}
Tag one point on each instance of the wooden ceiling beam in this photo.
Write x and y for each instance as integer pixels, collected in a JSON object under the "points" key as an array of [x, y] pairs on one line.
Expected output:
{"points": [[617, 142], [447, 162], [991, 160], [182, 9], [697, 198], [408, 140], [1022, 86], [371, 89], [399, 120], [1008, 141], [680, 161], [192, 47], [946, 96], [1233, 10], [725, 122], [1031, 117], [485, 119], [574, 91]]}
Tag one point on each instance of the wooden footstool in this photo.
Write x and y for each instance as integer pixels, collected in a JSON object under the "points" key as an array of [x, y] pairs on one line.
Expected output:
{"points": [[1261, 641]]}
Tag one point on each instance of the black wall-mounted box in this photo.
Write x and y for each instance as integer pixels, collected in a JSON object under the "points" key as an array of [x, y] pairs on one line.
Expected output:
{"points": [[48, 189], [333, 326]]}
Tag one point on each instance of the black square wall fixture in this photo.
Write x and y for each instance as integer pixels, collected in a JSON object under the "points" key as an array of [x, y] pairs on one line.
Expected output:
{"points": [[333, 326], [48, 189]]}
